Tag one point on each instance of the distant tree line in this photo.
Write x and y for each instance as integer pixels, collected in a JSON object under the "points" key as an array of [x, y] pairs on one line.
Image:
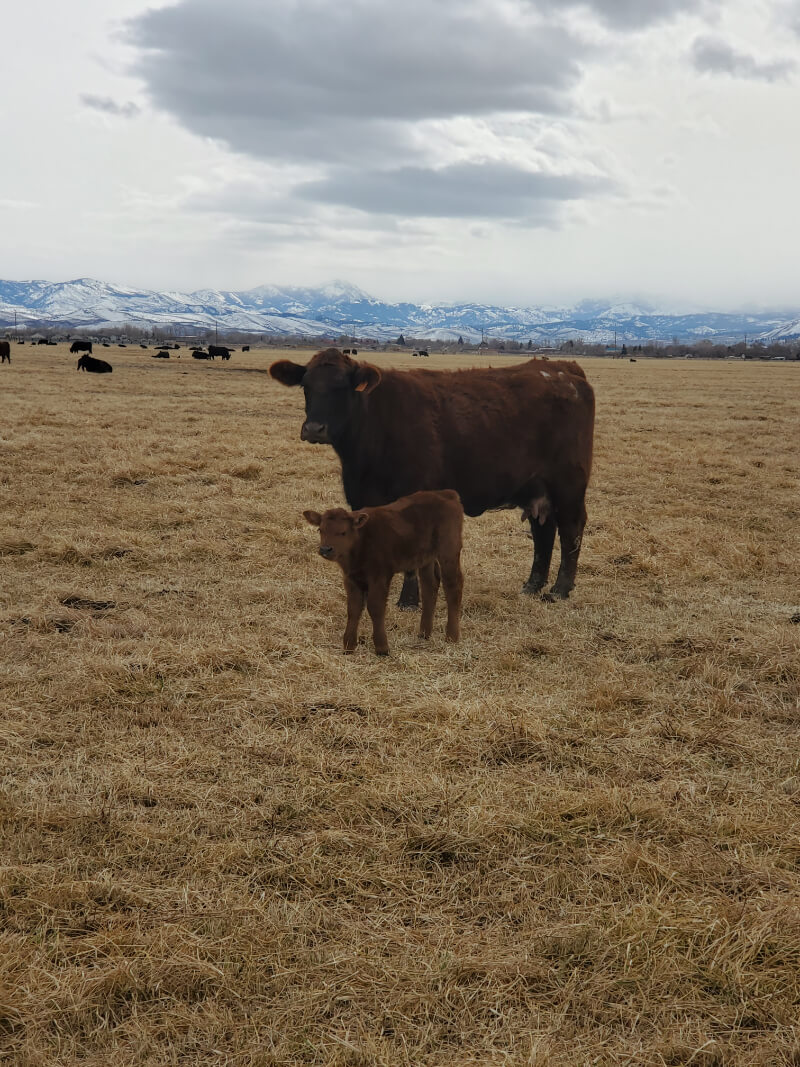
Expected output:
{"points": [[674, 349], [705, 349]]}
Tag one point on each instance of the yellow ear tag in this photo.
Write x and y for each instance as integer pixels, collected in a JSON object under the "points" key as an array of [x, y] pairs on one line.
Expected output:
{"points": [[361, 387]]}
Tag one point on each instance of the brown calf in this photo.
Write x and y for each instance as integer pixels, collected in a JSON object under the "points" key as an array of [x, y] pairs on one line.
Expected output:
{"points": [[418, 532]]}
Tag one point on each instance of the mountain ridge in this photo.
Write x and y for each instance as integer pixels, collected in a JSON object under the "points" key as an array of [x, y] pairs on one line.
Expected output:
{"points": [[340, 308]]}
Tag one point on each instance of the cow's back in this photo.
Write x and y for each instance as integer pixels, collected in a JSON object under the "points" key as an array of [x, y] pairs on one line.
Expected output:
{"points": [[487, 433]]}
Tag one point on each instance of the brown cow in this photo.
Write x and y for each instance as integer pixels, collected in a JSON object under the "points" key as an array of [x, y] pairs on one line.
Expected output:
{"points": [[418, 532], [5, 352], [512, 437]]}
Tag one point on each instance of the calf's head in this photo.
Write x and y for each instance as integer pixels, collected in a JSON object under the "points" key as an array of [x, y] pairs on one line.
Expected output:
{"points": [[339, 532], [333, 385]]}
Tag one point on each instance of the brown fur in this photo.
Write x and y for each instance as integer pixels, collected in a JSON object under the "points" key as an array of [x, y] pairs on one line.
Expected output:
{"points": [[418, 532], [501, 437]]}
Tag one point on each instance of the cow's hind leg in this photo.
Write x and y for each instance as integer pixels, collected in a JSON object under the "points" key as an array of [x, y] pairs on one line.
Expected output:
{"points": [[429, 587], [409, 594], [571, 522], [544, 535]]}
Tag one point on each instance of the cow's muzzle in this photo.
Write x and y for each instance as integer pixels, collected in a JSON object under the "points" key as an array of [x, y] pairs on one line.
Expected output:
{"points": [[326, 551], [316, 433]]}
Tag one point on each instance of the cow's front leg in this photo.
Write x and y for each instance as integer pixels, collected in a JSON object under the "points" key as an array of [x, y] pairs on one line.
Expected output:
{"points": [[355, 606], [377, 595], [409, 594]]}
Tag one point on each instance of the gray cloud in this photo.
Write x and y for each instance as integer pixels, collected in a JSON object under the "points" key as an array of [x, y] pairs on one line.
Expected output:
{"points": [[312, 80], [625, 15], [110, 107], [387, 85], [788, 14], [713, 55], [465, 190]]}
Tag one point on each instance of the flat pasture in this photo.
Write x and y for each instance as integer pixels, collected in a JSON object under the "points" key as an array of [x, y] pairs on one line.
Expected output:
{"points": [[572, 838]]}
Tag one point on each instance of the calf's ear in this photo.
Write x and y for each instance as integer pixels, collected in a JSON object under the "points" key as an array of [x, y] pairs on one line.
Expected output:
{"points": [[359, 519], [365, 378], [286, 372], [313, 517]]}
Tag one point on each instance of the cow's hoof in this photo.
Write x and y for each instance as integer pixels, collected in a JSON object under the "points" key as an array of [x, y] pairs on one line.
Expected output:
{"points": [[532, 588], [554, 594], [381, 652], [408, 605]]}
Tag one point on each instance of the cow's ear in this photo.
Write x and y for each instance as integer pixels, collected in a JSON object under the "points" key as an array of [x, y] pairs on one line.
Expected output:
{"points": [[286, 372], [360, 518], [365, 378], [313, 517]]}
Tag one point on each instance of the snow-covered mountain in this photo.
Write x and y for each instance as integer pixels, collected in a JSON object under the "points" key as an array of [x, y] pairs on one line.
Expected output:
{"points": [[340, 308], [787, 331]]}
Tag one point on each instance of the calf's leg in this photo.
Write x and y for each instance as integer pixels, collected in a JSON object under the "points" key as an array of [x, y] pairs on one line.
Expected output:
{"points": [[429, 587], [355, 605], [377, 595], [409, 594], [453, 582]]}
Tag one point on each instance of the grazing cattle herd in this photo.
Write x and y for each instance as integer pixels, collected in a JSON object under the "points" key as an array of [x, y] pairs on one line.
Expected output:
{"points": [[419, 449]]}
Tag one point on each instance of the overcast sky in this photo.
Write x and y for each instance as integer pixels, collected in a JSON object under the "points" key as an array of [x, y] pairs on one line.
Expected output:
{"points": [[512, 151]]}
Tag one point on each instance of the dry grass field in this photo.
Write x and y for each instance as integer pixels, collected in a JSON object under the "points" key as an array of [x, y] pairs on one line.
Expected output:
{"points": [[573, 838]]}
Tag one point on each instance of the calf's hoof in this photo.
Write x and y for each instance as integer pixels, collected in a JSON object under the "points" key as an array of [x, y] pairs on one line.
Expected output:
{"points": [[408, 605], [381, 651]]}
